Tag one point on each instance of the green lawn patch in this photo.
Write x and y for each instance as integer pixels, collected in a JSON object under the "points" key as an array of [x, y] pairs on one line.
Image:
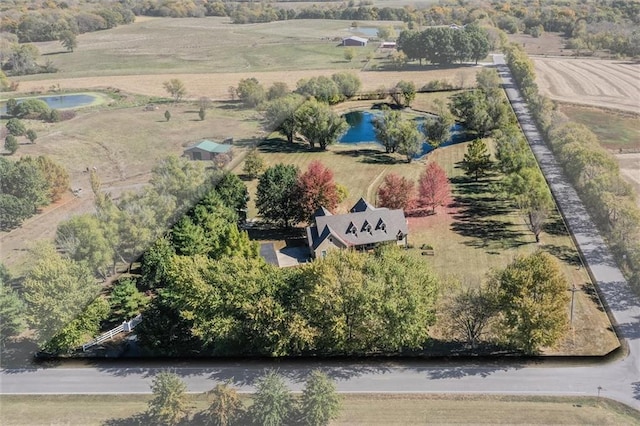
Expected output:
{"points": [[614, 130]]}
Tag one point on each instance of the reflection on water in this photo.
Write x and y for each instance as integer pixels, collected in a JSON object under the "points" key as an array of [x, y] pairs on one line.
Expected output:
{"points": [[60, 101], [361, 130]]}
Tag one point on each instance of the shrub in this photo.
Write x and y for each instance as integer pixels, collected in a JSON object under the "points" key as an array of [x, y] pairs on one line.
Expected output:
{"points": [[11, 144], [54, 116], [16, 127], [31, 108]]}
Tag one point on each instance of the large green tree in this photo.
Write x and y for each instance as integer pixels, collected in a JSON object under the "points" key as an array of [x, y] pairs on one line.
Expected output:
{"points": [[437, 130], [318, 124], [533, 297], [81, 329], [272, 402], [168, 404], [409, 139], [126, 301], [320, 402], [280, 115], [384, 125], [276, 196], [365, 303], [233, 193], [82, 238], [56, 289], [531, 195], [404, 93], [251, 92]]}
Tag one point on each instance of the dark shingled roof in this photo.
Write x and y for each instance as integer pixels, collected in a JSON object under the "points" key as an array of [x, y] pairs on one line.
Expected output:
{"points": [[364, 225]]}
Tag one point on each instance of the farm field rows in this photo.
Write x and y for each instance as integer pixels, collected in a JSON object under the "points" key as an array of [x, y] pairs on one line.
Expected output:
{"points": [[602, 83]]}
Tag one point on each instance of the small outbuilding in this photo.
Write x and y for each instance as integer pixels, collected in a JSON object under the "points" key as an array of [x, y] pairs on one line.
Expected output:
{"points": [[388, 45], [354, 41], [207, 150]]}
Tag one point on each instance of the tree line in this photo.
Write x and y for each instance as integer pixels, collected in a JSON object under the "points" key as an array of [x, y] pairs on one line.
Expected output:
{"points": [[591, 169], [445, 45], [272, 403]]}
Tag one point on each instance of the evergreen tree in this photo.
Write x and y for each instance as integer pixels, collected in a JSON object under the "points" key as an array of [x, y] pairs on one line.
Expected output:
{"points": [[272, 402], [320, 402], [476, 161], [226, 407]]}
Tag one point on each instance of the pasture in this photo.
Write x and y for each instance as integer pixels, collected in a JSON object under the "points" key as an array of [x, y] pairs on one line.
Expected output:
{"points": [[616, 131], [357, 409], [211, 54]]}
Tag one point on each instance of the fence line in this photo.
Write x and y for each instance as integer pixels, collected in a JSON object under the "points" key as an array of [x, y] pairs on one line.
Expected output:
{"points": [[125, 327]]}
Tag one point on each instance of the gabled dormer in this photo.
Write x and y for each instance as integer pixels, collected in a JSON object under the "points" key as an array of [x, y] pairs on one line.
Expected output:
{"points": [[361, 206], [366, 227], [352, 229]]}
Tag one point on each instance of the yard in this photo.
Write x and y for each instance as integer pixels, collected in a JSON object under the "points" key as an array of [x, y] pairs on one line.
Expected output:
{"points": [[480, 232]]}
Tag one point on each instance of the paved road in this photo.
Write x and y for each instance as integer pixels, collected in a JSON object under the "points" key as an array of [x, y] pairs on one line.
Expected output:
{"points": [[619, 380]]}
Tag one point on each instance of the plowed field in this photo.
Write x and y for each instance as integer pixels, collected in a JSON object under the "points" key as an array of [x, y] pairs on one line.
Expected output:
{"points": [[601, 83]]}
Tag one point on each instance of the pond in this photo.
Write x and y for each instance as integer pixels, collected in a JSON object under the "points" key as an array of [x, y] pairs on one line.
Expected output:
{"points": [[361, 130], [62, 101]]}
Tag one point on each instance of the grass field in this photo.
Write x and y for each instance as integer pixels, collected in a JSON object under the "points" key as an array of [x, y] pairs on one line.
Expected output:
{"points": [[615, 131], [211, 54], [362, 409]]}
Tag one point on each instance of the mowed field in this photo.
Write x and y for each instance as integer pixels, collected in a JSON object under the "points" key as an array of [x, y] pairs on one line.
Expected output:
{"points": [[210, 54], [361, 409], [601, 83]]}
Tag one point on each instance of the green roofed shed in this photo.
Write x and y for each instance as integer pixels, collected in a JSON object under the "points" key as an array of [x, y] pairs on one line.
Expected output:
{"points": [[207, 150]]}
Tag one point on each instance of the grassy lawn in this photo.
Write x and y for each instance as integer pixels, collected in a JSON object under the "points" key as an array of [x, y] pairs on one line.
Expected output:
{"points": [[357, 410], [615, 131], [478, 233]]}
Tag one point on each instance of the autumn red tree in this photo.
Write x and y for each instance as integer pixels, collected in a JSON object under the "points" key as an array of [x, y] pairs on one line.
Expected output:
{"points": [[317, 189], [433, 187], [396, 192]]}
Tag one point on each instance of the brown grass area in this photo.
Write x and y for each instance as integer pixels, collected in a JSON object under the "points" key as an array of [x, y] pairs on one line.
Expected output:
{"points": [[605, 83], [547, 44], [216, 86], [360, 409], [123, 155]]}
